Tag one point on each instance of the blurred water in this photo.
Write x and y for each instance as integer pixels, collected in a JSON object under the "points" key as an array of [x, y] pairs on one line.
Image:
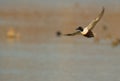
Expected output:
{"points": [[40, 56], [79, 60]]}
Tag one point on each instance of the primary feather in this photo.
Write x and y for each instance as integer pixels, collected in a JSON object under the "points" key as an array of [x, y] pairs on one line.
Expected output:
{"points": [[95, 21]]}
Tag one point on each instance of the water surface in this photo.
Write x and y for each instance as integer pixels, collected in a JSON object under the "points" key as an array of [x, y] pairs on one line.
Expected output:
{"points": [[81, 60]]}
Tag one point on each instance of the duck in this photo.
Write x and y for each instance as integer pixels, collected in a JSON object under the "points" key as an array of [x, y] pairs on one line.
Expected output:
{"points": [[87, 31]]}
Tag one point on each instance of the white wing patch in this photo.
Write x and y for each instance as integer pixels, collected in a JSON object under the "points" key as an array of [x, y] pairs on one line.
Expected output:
{"points": [[96, 20], [85, 31]]}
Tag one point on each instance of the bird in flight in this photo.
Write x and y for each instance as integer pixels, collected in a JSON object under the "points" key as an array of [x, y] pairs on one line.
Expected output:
{"points": [[87, 31]]}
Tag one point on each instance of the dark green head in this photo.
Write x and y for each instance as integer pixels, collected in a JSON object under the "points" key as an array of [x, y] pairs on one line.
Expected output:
{"points": [[80, 28]]}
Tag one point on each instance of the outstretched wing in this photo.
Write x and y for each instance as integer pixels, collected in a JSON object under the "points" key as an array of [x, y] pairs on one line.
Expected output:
{"points": [[72, 34], [94, 22]]}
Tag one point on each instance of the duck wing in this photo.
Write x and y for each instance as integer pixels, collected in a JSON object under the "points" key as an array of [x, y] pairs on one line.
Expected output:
{"points": [[72, 34], [96, 20]]}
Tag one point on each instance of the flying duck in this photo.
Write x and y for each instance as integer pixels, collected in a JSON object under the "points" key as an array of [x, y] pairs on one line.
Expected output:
{"points": [[87, 31]]}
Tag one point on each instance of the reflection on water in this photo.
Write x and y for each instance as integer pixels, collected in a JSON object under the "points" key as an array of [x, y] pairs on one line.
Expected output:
{"points": [[80, 60]]}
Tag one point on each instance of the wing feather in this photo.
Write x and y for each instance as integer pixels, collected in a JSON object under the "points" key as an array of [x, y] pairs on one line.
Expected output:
{"points": [[96, 20], [72, 34]]}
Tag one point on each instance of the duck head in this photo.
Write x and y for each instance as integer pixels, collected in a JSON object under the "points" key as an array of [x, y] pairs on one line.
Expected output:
{"points": [[79, 28]]}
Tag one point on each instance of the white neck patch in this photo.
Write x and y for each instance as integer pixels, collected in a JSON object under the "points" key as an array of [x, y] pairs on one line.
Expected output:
{"points": [[85, 31]]}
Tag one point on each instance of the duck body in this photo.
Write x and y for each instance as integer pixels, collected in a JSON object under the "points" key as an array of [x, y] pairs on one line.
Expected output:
{"points": [[85, 32], [89, 34]]}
